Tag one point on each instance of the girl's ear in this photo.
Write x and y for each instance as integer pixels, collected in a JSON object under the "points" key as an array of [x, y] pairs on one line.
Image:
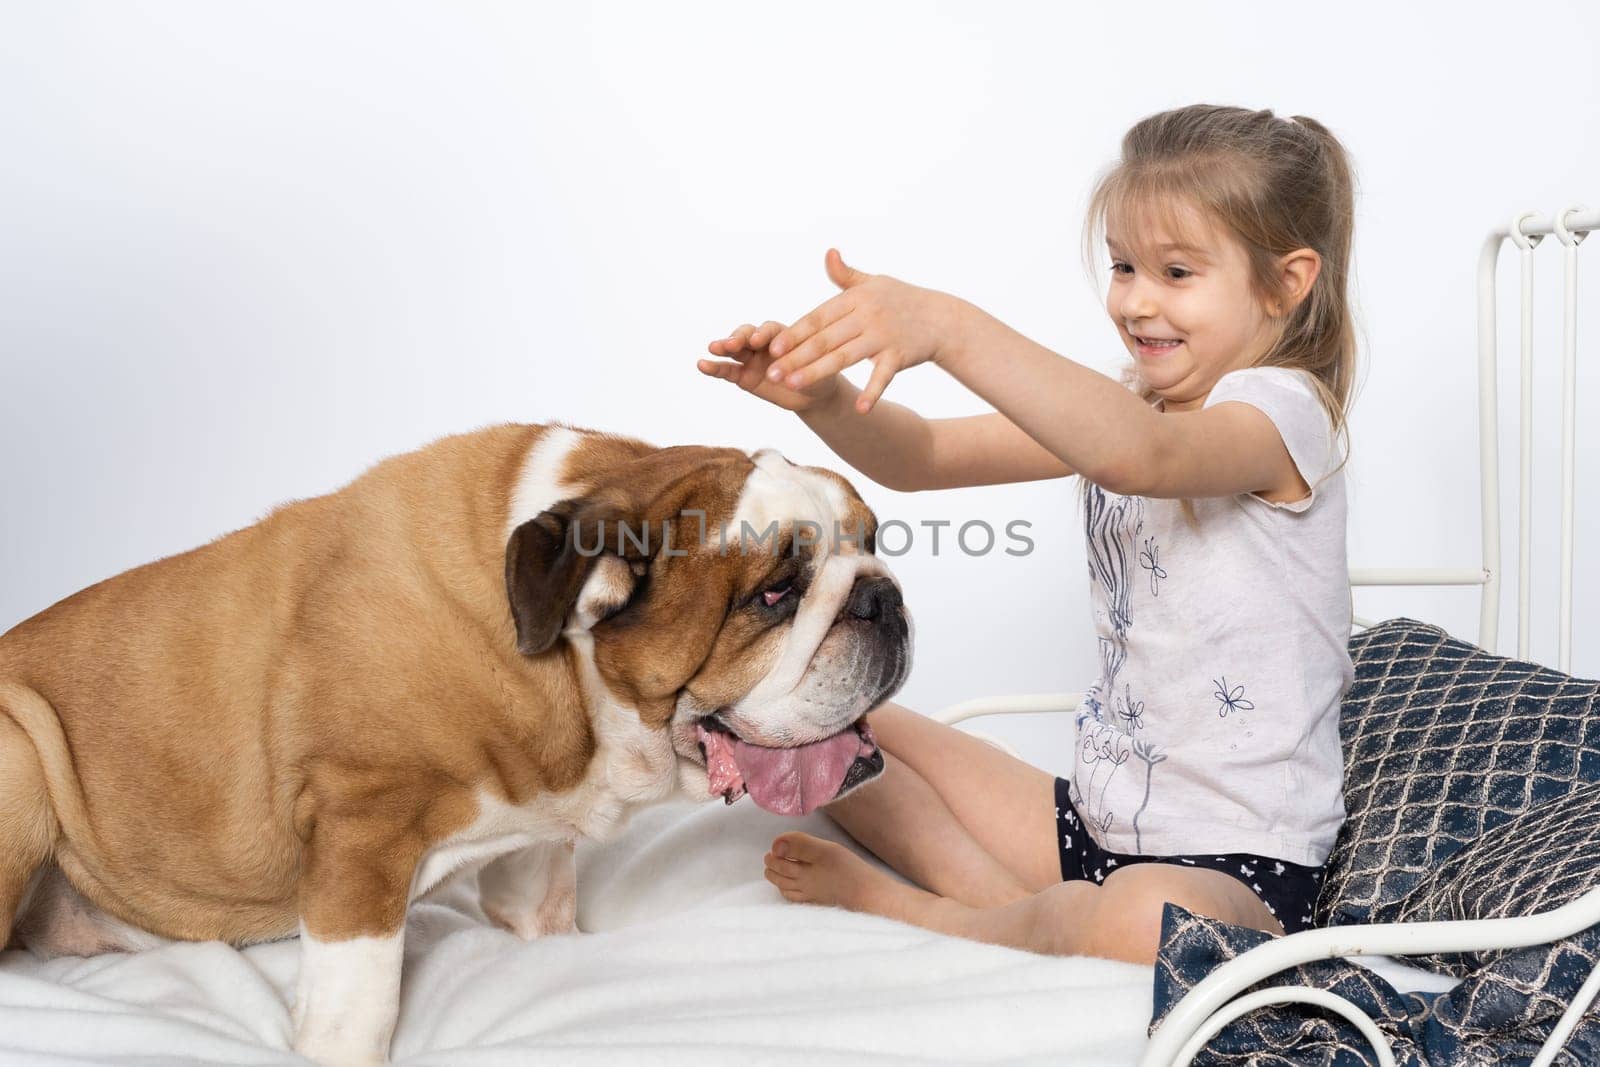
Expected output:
{"points": [[1297, 273]]}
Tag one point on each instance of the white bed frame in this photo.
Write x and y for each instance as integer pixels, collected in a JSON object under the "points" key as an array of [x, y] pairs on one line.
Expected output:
{"points": [[1215, 1002]]}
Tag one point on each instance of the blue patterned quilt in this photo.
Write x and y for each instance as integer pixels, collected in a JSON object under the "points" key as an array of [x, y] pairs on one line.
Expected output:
{"points": [[1472, 783], [1501, 1014]]}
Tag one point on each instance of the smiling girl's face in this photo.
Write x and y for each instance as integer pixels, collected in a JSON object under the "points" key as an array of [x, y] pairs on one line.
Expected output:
{"points": [[1184, 308]]}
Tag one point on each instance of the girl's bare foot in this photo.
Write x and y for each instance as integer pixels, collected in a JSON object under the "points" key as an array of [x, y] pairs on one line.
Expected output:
{"points": [[810, 870]]}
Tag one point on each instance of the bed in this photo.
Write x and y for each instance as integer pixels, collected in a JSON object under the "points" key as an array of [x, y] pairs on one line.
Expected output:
{"points": [[688, 955]]}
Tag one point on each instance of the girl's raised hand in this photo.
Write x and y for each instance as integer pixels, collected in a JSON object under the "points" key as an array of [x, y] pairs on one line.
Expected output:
{"points": [[876, 317], [747, 363]]}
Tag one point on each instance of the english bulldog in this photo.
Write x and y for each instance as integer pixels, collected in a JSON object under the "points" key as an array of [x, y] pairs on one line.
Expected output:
{"points": [[465, 660]]}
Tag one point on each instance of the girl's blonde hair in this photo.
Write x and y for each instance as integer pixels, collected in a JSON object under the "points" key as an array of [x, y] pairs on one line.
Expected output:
{"points": [[1275, 185]]}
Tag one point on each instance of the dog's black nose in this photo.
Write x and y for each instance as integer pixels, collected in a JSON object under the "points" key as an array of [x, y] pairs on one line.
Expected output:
{"points": [[874, 597]]}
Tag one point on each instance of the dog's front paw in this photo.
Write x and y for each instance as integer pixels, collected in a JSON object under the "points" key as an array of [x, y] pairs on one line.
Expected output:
{"points": [[337, 1038], [347, 998], [333, 1041]]}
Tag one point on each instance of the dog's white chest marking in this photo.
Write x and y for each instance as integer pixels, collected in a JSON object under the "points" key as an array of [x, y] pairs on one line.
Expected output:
{"points": [[633, 767]]}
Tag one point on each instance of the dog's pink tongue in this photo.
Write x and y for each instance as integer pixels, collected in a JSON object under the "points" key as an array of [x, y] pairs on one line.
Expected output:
{"points": [[796, 781]]}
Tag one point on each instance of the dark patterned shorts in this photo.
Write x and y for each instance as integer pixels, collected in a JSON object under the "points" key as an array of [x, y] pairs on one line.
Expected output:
{"points": [[1289, 890]]}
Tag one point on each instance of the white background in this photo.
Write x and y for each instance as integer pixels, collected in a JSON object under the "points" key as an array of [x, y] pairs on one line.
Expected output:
{"points": [[246, 250]]}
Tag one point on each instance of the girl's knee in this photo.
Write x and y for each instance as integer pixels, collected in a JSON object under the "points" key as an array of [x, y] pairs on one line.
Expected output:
{"points": [[1064, 919], [892, 723], [1129, 927], [888, 714], [1079, 918], [1132, 903], [926, 745]]}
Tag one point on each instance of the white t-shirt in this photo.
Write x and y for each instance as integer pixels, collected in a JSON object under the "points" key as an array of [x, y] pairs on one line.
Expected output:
{"points": [[1213, 725]]}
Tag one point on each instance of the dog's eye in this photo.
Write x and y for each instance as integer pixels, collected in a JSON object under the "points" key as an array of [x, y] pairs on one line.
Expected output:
{"points": [[774, 594]]}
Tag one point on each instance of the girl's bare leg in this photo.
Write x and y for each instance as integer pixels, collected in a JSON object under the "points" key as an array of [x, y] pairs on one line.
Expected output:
{"points": [[976, 828], [903, 821], [1005, 807], [1120, 919]]}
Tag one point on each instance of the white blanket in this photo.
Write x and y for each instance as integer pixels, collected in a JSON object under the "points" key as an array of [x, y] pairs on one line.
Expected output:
{"points": [[690, 957]]}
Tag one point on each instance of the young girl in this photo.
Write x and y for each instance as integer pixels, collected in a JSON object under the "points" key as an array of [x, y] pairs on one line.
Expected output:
{"points": [[1207, 770]]}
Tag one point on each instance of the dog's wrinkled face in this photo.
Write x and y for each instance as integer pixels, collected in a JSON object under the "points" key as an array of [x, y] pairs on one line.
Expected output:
{"points": [[761, 645], [817, 636]]}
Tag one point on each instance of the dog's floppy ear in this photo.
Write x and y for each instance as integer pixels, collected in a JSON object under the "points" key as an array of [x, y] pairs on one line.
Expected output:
{"points": [[557, 557]]}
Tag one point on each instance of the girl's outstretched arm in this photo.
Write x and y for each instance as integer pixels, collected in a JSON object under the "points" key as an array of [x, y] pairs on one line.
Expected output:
{"points": [[1099, 427], [1090, 423], [901, 450], [891, 444]]}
